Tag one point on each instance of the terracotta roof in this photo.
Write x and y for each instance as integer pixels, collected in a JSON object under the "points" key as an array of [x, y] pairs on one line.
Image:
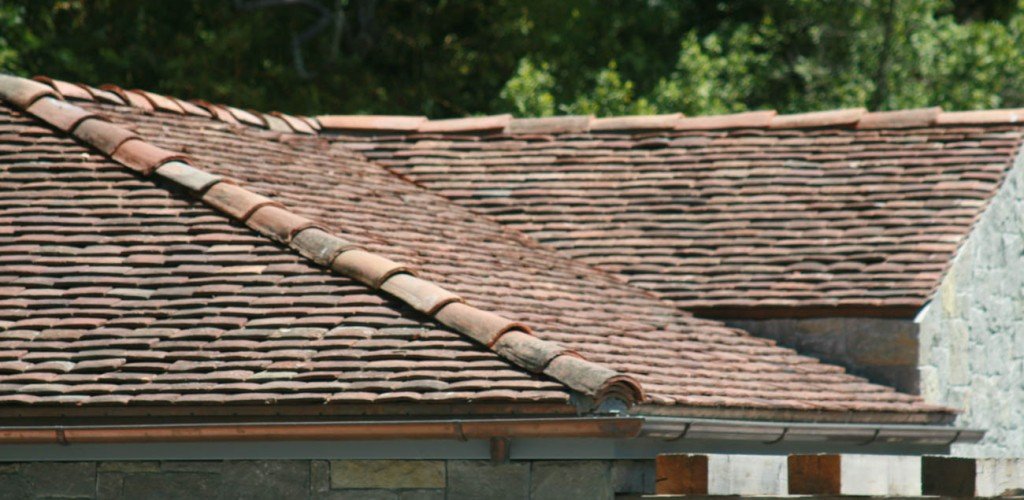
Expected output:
{"points": [[746, 215], [680, 361], [209, 307]]}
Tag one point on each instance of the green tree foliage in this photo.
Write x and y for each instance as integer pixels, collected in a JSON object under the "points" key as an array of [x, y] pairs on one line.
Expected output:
{"points": [[529, 91], [532, 57]]}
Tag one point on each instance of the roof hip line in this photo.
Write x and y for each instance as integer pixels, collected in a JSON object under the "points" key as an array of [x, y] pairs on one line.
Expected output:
{"points": [[509, 339]]}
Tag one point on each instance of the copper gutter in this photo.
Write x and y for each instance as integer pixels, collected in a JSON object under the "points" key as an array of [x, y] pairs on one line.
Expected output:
{"points": [[458, 429]]}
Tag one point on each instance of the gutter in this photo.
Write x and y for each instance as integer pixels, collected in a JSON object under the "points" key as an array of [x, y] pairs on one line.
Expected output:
{"points": [[674, 429], [457, 429]]}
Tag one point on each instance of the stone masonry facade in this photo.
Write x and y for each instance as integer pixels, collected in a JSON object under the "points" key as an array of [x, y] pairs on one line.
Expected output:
{"points": [[328, 479], [972, 332], [884, 351]]}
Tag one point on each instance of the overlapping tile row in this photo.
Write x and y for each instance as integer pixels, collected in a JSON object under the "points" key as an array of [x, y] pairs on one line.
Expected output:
{"points": [[854, 216], [679, 360], [274, 221], [118, 291]]}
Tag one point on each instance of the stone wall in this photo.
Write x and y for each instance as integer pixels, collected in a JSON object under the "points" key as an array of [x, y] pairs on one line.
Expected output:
{"points": [[884, 351], [327, 479], [972, 332]]}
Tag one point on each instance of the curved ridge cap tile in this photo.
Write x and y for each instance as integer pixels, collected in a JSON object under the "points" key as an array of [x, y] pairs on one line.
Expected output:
{"points": [[130, 98], [746, 119], [276, 124], [245, 116], [187, 176], [277, 223], [320, 246], [60, 114], [105, 95], [102, 134], [904, 118], [550, 125], [424, 296], [818, 118], [483, 326], [528, 351], [191, 109], [219, 112], [644, 122], [66, 89], [313, 122], [594, 380], [297, 125], [235, 201], [980, 117], [469, 124], [159, 102], [390, 123], [22, 92], [366, 267], [143, 157]]}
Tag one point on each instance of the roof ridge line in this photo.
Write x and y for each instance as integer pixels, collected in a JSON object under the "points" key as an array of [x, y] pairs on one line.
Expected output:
{"points": [[852, 118], [152, 101], [506, 124], [511, 340]]}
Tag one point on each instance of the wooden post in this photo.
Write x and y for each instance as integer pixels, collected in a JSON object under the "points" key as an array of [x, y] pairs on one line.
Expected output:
{"points": [[815, 475], [681, 475], [948, 476]]}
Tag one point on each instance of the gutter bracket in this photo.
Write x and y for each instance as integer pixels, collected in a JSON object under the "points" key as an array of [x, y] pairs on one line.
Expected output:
{"points": [[686, 428], [780, 438], [873, 438], [500, 448]]}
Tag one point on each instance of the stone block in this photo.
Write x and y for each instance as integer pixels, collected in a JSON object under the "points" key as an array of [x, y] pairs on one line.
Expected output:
{"points": [[474, 479], [171, 486], [559, 479], [421, 495], [633, 476], [357, 495], [998, 476], [747, 475], [204, 466], [269, 479], [681, 475], [319, 476], [133, 466], [50, 479], [881, 475], [391, 474], [109, 486]]}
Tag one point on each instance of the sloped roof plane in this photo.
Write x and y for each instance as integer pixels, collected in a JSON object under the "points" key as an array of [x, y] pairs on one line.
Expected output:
{"points": [[748, 215], [613, 333]]}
